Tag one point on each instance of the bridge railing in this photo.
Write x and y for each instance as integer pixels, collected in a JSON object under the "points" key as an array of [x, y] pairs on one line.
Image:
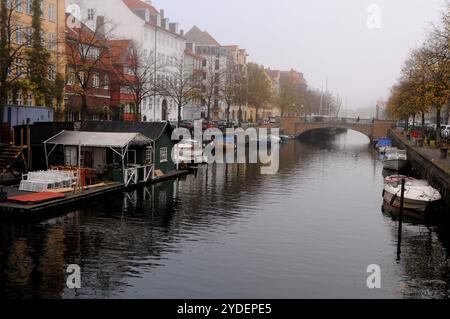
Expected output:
{"points": [[332, 120]]}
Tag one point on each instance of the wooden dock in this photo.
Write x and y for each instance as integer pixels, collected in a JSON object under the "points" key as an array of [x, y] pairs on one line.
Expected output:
{"points": [[12, 210]]}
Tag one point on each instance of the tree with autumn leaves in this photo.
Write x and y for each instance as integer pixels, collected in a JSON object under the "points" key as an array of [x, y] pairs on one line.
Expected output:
{"points": [[424, 81]]}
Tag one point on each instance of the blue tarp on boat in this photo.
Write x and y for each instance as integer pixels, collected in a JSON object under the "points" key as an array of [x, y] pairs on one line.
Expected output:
{"points": [[384, 142]]}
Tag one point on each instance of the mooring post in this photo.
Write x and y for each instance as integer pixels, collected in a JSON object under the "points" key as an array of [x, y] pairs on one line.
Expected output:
{"points": [[400, 220]]}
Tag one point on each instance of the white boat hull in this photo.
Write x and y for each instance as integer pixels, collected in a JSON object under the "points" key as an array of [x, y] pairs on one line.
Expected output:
{"points": [[395, 164], [410, 204], [418, 194]]}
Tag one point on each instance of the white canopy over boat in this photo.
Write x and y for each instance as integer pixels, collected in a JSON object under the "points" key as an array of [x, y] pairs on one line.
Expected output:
{"points": [[98, 139]]}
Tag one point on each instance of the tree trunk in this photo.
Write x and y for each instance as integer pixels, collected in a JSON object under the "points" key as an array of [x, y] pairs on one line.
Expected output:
{"points": [[423, 125], [84, 108], [208, 113], [438, 125], [240, 115], [2, 110], [228, 114], [179, 114]]}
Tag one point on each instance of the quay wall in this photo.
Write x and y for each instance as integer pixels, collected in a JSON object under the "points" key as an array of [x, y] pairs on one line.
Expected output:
{"points": [[437, 175]]}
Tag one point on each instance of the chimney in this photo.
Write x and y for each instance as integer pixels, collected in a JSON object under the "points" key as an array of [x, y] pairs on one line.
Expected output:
{"points": [[161, 12], [173, 27], [100, 26], [156, 19], [165, 23]]}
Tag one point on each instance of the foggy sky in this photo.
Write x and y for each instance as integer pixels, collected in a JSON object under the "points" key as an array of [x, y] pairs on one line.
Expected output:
{"points": [[317, 37]]}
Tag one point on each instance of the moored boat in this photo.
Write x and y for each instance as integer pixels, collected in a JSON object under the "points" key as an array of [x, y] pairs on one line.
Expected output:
{"points": [[395, 159], [382, 144], [188, 151], [418, 193]]}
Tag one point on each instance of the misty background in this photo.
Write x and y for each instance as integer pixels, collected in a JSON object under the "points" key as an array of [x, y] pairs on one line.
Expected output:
{"points": [[321, 38]]}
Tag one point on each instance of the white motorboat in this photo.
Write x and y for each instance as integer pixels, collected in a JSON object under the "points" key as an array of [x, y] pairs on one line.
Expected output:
{"points": [[385, 149], [418, 193], [395, 159], [188, 152]]}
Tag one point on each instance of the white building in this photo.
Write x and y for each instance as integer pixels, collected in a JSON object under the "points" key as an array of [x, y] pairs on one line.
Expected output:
{"points": [[194, 65], [156, 36], [216, 61]]}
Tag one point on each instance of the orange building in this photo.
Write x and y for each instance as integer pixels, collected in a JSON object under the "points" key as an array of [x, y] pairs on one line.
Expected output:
{"points": [[53, 27]]}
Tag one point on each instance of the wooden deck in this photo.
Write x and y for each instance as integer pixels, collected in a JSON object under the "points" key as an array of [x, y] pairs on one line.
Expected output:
{"points": [[11, 210]]}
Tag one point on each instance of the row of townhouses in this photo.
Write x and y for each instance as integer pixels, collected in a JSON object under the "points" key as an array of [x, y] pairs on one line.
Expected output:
{"points": [[109, 32]]}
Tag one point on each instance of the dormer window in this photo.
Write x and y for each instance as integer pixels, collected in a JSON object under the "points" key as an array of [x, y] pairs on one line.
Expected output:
{"points": [[90, 14], [147, 15]]}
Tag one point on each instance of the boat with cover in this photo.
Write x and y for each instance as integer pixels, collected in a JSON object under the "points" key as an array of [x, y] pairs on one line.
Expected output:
{"points": [[418, 193]]}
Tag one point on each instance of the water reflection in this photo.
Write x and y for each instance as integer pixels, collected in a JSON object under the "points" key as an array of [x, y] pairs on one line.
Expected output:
{"points": [[308, 231]]}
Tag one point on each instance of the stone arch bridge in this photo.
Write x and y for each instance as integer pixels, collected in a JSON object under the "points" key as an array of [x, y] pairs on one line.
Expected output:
{"points": [[375, 129]]}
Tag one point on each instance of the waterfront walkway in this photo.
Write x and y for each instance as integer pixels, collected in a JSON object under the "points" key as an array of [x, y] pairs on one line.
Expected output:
{"points": [[432, 154]]}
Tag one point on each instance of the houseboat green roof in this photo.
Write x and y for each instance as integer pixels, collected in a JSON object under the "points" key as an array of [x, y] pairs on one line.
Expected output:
{"points": [[152, 130]]}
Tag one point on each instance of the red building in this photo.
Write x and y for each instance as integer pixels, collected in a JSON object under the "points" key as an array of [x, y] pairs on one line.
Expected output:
{"points": [[123, 80], [88, 74]]}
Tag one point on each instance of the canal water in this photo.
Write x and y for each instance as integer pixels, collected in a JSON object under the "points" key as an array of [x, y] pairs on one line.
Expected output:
{"points": [[309, 231]]}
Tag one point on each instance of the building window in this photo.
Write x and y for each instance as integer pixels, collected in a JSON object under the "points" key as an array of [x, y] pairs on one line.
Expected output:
{"points": [[29, 7], [51, 41], [128, 70], [19, 68], [106, 82], [42, 33], [91, 14], [70, 76], [52, 12], [90, 52], [29, 36], [19, 98], [163, 154], [19, 36], [51, 72], [19, 5], [82, 78], [42, 8], [96, 80]]}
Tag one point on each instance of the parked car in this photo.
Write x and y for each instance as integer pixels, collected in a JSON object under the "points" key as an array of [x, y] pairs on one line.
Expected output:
{"points": [[212, 125], [221, 124], [445, 131], [174, 124], [187, 124]]}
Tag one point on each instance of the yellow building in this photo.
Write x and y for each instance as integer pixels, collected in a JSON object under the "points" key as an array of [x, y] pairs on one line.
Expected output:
{"points": [[53, 28]]}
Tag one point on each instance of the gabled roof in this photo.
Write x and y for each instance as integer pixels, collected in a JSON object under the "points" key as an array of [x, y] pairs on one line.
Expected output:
{"points": [[152, 130], [139, 5], [98, 139], [200, 37]]}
